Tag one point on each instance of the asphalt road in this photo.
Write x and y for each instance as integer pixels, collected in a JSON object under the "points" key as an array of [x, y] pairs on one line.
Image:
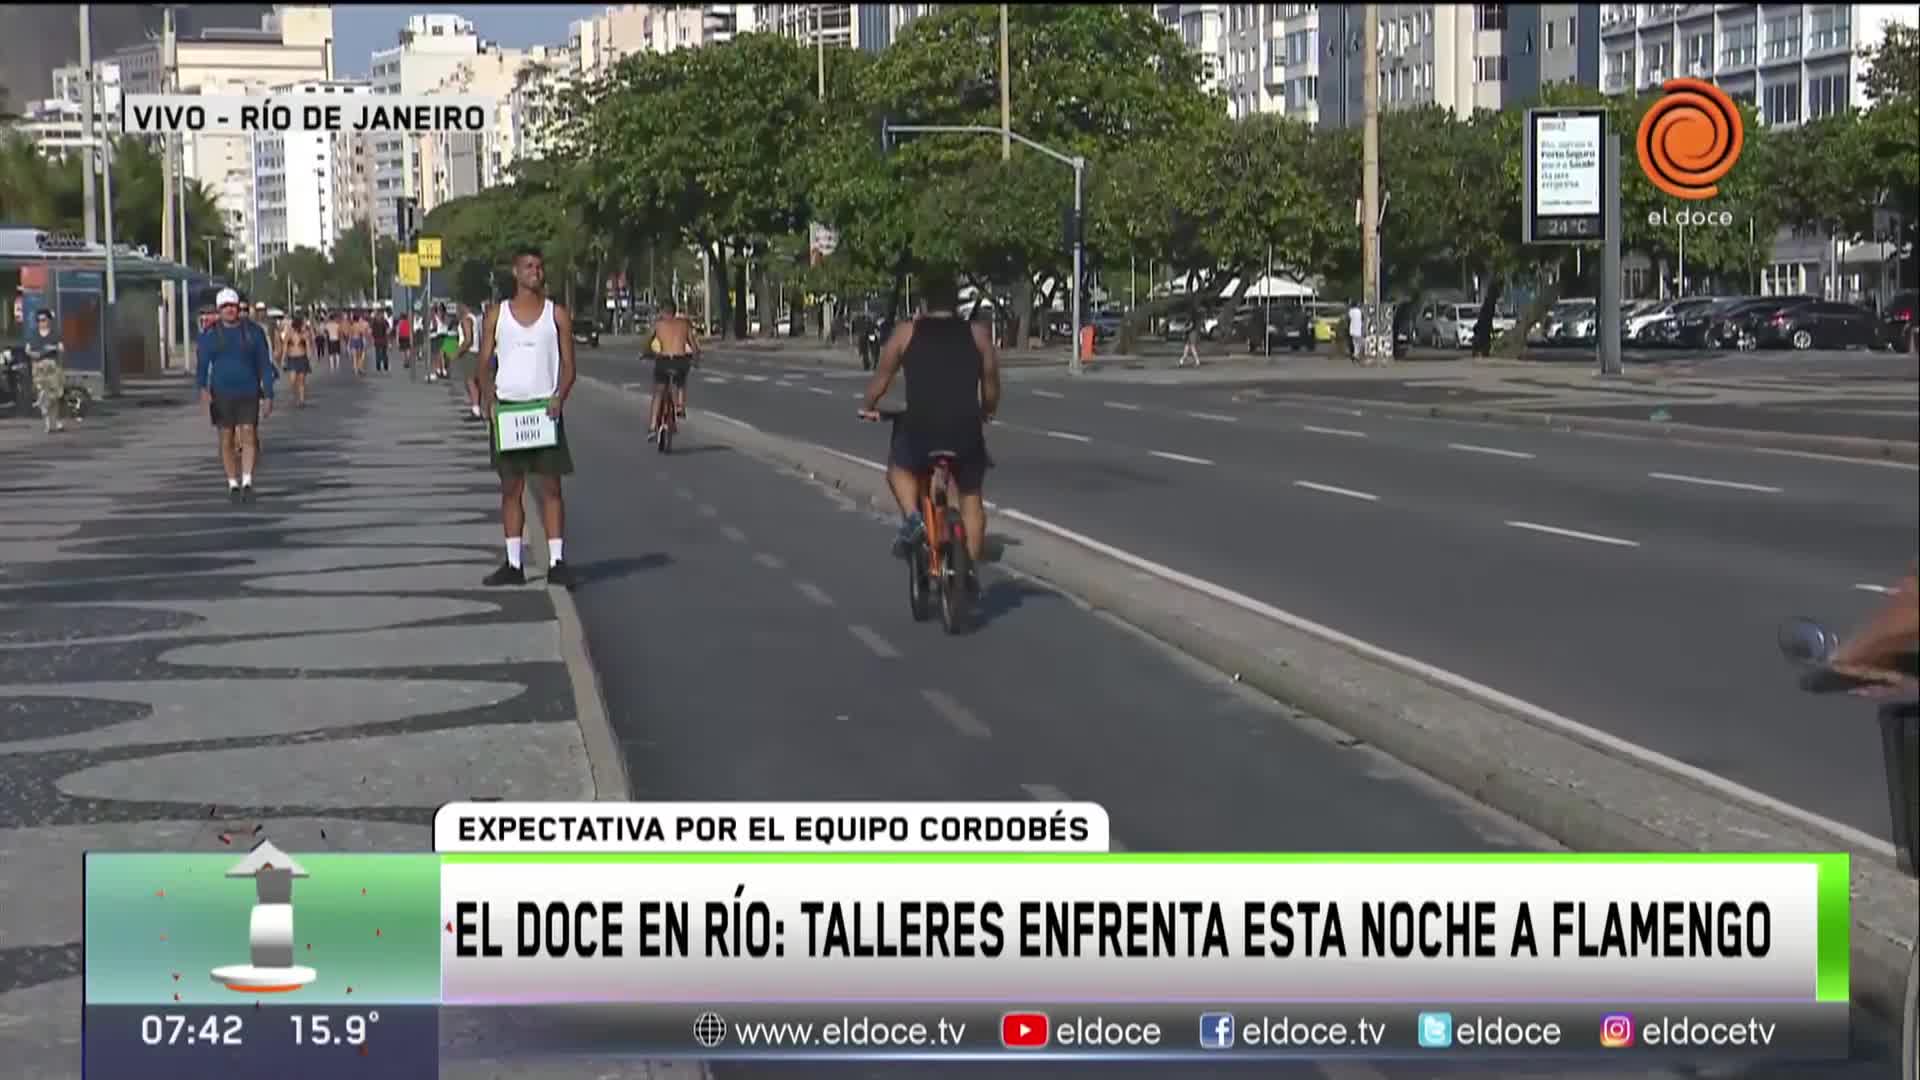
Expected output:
{"points": [[753, 642], [1631, 585]]}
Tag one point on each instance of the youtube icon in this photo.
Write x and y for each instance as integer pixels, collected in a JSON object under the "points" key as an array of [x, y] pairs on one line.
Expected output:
{"points": [[1023, 1030]]}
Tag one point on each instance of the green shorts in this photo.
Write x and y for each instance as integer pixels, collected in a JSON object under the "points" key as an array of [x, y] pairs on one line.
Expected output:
{"points": [[448, 346], [467, 365], [555, 460]]}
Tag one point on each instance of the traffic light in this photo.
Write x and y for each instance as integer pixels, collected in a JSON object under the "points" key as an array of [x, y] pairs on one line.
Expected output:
{"points": [[1072, 226], [405, 220], [886, 134]]}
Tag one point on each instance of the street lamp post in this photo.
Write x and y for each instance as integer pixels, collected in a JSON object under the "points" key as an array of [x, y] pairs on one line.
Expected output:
{"points": [[1073, 161], [209, 242]]}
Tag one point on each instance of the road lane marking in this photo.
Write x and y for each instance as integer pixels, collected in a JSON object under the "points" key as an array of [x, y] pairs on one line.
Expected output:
{"points": [[1811, 456], [863, 462], [771, 562], [1682, 478], [1217, 418], [733, 534], [1331, 490], [956, 714], [1342, 432], [1881, 589], [1121, 405], [1179, 457], [1494, 450], [1574, 534], [1067, 435], [707, 510], [1045, 793], [1048, 394], [814, 593], [821, 390], [880, 646], [683, 493], [716, 378], [725, 419], [1541, 715], [783, 382], [754, 378]]}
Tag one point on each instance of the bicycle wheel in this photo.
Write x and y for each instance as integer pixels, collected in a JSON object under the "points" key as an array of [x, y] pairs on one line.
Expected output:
{"points": [[664, 440], [956, 602]]}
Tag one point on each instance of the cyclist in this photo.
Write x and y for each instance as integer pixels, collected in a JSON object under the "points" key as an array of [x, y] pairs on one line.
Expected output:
{"points": [[953, 390], [674, 346]]}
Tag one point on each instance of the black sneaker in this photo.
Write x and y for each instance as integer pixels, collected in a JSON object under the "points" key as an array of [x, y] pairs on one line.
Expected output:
{"points": [[233, 493], [562, 575], [506, 574], [246, 493]]}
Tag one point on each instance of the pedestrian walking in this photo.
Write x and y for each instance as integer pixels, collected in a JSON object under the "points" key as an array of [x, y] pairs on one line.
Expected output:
{"points": [[531, 337], [49, 375], [1190, 352], [296, 356], [403, 336], [1356, 331], [381, 329], [359, 341], [235, 374]]}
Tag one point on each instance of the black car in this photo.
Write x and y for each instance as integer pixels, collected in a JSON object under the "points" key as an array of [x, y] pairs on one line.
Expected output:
{"points": [[1671, 330], [1818, 324], [1737, 326], [586, 332], [1286, 327], [1896, 321]]}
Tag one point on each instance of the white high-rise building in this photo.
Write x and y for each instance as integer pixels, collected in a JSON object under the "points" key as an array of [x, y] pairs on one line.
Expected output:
{"points": [[1793, 63], [296, 185], [430, 49], [57, 125], [1204, 28]]}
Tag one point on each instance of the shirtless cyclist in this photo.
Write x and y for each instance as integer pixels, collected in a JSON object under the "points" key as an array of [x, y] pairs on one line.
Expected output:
{"points": [[674, 348]]}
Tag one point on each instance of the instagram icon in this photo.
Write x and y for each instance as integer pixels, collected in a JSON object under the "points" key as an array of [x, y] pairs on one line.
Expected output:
{"points": [[1616, 1031]]}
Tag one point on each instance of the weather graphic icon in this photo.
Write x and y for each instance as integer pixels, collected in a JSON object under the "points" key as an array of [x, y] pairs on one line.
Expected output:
{"points": [[270, 930]]}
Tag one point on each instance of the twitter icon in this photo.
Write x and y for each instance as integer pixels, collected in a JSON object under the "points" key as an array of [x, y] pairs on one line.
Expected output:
{"points": [[1436, 1030]]}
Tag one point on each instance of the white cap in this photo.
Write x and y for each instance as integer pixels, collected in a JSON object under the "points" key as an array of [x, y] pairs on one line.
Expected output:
{"points": [[227, 296]]}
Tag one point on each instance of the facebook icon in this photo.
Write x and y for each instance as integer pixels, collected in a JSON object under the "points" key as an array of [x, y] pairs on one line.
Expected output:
{"points": [[1216, 1031]]}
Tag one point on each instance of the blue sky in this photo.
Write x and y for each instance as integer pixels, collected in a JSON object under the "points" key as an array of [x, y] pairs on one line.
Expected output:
{"points": [[358, 31]]}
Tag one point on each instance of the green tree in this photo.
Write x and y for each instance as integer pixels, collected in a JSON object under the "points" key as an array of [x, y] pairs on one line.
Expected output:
{"points": [[1893, 66]]}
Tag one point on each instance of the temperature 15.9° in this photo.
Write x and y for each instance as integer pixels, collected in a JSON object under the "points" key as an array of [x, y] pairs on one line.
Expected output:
{"points": [[320, 1030]]}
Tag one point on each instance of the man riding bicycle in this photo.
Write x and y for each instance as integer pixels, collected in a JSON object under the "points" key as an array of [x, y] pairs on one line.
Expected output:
{"points": [[953, 391], [674, 346]]}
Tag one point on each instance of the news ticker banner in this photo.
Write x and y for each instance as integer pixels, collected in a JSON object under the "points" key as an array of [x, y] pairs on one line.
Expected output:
{"points": [[654, 953], [304, 113]]}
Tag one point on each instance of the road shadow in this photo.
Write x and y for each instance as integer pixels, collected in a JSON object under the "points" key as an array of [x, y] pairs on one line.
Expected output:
{"points": [[1003, 597], [614, 569], [704, 448]]}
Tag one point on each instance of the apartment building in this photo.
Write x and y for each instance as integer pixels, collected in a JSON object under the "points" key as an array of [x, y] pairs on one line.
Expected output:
{"points": [[292, 45], [871, 27], [456, 164], [1272, 60], [430, 48], [1204, 28], [1793, 63], [56, 126], [296, 185], [545, 75]]}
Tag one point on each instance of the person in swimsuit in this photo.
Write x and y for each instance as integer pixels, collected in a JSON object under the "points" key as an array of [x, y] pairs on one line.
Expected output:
{"points": [[359, 340], [296, 356], [336, 328]]}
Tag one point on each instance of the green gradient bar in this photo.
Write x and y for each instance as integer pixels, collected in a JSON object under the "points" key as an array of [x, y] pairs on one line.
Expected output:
{"points": [[1349, 858], [158, 924], [1834, 950]]}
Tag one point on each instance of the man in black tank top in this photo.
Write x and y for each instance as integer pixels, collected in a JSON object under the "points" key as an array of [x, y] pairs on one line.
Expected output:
{"points": [[953, 389]]}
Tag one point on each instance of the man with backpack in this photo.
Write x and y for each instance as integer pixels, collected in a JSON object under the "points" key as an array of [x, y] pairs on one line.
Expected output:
{"points": [[235, 374]]}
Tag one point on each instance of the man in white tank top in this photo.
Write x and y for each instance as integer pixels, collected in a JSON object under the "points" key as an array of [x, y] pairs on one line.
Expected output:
{"points": [[533, 338]]}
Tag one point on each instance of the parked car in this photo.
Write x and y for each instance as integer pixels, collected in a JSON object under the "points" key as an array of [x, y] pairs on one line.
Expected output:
{"points": [[1179, 321], [1819, 324], [1896, 321], [1699, 327], [1106, 324], [1450, 325], [586, 332], [1666, 328], [1328, 317], [1287, 326], [1572, 322], [1736, 324]]}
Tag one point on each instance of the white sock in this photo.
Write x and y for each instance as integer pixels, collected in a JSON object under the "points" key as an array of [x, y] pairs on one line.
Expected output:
{"points": [[246, 479], [476, 410], [553, 551], [232, 484], [513, 552]]}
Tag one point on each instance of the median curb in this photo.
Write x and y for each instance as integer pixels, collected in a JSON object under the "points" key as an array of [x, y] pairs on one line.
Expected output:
{"points": [[1850, 446], [1580, 795]]}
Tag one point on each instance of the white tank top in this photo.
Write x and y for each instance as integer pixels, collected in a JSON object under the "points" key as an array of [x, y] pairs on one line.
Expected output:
{"points": [[529, 356]]}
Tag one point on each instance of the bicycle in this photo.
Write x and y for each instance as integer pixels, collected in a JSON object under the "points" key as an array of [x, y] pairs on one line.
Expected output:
{"points": [[668, 400], [1812, 646], [941, 559]]}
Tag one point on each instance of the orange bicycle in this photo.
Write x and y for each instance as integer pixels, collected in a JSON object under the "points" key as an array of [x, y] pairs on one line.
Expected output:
{"points": [[940, 561]]}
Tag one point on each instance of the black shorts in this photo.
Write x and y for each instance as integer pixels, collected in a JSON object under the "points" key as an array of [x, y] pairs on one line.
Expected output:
{"points": [[405, 343], [672, 369], [299, 365], [914, 451], [234, 412]]}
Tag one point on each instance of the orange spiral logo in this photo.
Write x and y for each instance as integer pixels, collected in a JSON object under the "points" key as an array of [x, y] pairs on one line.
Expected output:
{"points": [[1690, 138]]}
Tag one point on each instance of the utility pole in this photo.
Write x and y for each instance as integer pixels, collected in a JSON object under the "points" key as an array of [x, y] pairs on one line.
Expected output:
{"points": [[1006, 92], [820, 45], [166, 192], [90, 208], [1370, 175]]}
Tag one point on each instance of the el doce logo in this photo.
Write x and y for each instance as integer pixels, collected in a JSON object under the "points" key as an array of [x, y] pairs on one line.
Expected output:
{"points": [[1690, 138]]}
